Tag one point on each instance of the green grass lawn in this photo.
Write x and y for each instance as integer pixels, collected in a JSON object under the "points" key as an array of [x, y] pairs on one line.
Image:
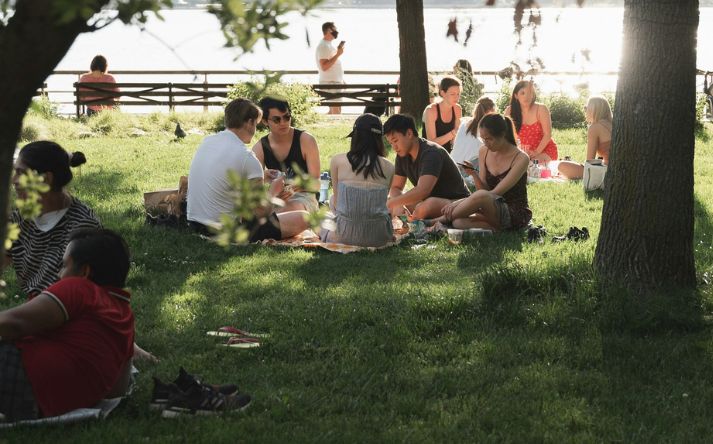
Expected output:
{"points": [[493, 341]]}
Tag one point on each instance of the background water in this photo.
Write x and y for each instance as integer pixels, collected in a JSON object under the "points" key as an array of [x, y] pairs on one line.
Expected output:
{"points": [[191, 39]]}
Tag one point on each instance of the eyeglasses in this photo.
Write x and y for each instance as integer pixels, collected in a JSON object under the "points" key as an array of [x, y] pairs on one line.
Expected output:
{"points": [[278, 119]]}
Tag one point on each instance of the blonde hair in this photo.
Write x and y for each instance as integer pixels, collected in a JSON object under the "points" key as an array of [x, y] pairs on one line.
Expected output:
{"points": [[483, 106], [598, 107]]}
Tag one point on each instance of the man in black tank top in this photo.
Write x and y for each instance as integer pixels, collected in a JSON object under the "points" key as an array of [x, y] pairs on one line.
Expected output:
{"points": [[289, 150]]}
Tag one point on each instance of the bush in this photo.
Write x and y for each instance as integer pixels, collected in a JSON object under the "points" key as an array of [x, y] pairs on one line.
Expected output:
{"points": [[701, 104], [470, 92], [301, 97], [566, 112], [503, 100], [43, 107]]}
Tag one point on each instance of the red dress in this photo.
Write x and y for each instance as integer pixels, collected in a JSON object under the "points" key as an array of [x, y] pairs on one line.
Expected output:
{"points": [[531, 135]]}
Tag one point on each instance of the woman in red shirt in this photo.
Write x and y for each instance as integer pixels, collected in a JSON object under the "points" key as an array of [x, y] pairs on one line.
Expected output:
{"points": [[98, 74]]}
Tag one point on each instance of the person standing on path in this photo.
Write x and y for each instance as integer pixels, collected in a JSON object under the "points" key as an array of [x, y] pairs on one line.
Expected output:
{"points": [[329, 64]]}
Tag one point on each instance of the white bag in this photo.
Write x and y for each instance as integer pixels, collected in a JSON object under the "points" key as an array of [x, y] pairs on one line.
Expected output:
{"points": [[594, 172]]}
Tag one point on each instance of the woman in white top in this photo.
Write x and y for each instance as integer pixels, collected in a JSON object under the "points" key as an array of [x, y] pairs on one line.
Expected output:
{"points": [[361, 180], [467, 143]]}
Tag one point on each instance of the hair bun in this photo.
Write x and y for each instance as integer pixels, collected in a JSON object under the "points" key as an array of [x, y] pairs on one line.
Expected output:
{"points": [[77, 158]]}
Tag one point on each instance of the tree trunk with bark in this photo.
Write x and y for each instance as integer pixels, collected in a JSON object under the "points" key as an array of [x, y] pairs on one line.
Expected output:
{"points": [[412, 57], [31, 45], [646, 238]]}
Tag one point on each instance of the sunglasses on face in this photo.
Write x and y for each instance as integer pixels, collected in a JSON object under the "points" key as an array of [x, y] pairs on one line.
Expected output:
{"points": [[277, 119]]}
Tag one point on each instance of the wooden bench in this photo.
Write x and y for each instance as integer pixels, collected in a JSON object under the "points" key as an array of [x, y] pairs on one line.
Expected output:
{"points": [[378, 97]]}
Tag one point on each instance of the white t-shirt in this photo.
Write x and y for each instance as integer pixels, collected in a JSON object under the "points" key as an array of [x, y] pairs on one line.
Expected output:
{"points": [[466, 145], [335, 74], [208, 185]]}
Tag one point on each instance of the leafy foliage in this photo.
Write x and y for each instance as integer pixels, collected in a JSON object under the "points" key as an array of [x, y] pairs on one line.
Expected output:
{"points": [[566, 112], [471, 90], [301, 97]]}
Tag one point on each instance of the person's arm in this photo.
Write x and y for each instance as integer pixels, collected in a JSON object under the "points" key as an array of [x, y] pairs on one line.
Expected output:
{"points": [[310, 153], [519, 168], [545, 119], [327, 63], [482, 179], [257, 149], [592, 142], [458, 117], [417, 194], [506, 113], [39, 314]]}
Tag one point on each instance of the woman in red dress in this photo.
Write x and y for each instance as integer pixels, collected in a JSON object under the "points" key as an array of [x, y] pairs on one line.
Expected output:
{"points": [[533, 123]]}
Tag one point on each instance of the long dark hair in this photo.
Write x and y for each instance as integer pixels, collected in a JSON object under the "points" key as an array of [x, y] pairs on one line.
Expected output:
{"points": [[48, 157], [482, 107], [515, 108], [499, 126], [364, 153]]}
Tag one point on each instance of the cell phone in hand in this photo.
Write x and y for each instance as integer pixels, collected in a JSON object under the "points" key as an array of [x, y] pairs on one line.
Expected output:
{"points": [[466, 166], [342, 43]]}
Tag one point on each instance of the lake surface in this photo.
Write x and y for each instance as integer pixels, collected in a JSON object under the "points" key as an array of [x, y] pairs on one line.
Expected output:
{"points": [[191, 39]]}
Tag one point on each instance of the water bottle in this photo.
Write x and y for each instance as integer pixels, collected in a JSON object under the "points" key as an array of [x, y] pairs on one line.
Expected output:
{"points": [[324, 180]]}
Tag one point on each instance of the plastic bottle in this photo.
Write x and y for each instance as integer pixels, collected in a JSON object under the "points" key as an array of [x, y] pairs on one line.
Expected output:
{"points": [[324, 180], [536, 169]]}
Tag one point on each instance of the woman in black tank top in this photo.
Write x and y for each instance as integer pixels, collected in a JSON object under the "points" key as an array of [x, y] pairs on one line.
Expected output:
{"points": [[501, 200], [434, 127]]}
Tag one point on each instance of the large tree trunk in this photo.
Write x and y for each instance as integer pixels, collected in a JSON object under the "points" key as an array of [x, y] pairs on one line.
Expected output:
{"points": [[30, 47], [412, 57], [646, 239]]}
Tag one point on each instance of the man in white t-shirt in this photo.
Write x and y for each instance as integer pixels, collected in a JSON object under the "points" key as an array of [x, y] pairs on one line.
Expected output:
{"points": [[328, 63], [209, 190]]}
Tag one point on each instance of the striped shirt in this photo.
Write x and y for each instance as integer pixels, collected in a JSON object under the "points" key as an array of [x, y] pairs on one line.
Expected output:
{"points": [[37, 255]]}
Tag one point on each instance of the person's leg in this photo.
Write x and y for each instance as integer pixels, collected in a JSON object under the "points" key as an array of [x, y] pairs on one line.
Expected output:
{"points": [[482, 203], [292, 223], [571, 170], [17, 402], [430, 208], [474, 221]]}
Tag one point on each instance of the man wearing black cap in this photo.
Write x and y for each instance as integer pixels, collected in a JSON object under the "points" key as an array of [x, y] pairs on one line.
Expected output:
{"points": [[427, 165]]}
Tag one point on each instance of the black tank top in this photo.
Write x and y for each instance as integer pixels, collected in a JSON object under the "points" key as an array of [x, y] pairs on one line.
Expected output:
{"points": [[443, 127], [293, 157]]}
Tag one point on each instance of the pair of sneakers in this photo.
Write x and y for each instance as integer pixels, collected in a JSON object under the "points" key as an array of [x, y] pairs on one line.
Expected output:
{"points": [[189, 396]]}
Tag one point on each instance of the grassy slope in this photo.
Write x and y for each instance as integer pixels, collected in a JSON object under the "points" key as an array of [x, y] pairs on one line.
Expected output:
{"points": [[400, 345]]}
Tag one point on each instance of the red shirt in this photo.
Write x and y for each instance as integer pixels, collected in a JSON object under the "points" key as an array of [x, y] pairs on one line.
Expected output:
{"points": [[77, 364]]}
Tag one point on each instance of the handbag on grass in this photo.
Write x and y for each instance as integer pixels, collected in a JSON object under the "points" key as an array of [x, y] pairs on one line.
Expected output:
{"points": [[594, 172]]}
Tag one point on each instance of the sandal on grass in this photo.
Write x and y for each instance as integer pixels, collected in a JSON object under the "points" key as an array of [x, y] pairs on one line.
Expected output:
{"points": [[237, 342], [232, 331]]}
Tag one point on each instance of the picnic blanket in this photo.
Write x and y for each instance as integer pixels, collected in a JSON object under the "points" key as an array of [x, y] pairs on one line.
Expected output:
{"points": [[309, 239], [99, 411]]}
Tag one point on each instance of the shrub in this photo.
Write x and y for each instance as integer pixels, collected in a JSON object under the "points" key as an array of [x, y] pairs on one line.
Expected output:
{"points": [[470, 92], [504, 94], [701, 103], [301, 97], [566, 112], [43, 107]]}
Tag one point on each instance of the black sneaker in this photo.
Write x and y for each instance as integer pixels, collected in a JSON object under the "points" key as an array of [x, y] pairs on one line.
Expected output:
{"points": [[184, 381], [536, 234], [202, 401]]}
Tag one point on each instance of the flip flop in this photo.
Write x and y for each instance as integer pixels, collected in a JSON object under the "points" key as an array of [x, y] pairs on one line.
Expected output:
{"points": [[232, 331], [236, 342]]}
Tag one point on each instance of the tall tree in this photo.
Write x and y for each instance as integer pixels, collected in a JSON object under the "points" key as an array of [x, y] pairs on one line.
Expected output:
{"points": [[36, 34], [412, 57], [646, 238]]}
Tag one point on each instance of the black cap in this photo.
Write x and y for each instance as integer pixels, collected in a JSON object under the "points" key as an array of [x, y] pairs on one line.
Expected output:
{"points": [[368, 122]]}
